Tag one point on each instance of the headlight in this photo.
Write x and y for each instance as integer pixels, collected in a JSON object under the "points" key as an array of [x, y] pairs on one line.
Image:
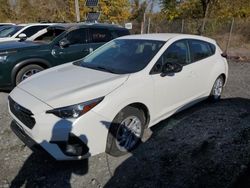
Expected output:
{"points": [[3, 59], [4, 55], [75, 111]]}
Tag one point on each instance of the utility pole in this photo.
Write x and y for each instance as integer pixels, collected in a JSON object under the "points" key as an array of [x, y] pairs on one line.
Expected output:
{"points": [[230, 35], [77, 10], [149, 24], [143, 22], [205, 17]]}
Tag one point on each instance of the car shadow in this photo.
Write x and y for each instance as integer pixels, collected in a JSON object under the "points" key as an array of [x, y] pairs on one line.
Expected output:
{"points": [[207, 145], [41, 170]]}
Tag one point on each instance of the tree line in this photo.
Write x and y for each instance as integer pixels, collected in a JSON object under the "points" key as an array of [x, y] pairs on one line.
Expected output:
{"points": [[218, 9], [121, 11]]}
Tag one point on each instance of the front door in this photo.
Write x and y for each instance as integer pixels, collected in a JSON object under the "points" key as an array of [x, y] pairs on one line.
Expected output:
{"points": [[77, 47], [174, 90]]}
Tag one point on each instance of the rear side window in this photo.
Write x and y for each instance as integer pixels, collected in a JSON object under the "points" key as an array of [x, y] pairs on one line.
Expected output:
{"points": [[213, 48], [99, 35], [77, 36], [33, 29], [200, 50]]}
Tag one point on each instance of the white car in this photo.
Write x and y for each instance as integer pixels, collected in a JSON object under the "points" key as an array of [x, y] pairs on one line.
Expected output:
{"points": [[6, 24], [21, 31], [105, 101]]}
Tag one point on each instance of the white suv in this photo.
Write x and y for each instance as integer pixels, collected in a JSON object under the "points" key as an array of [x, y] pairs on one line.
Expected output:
{"points": [[106, 100], [21, 31]]}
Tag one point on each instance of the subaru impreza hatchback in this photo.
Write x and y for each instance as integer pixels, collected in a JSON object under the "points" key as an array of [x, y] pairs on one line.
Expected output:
{"points": [[105, 101]]}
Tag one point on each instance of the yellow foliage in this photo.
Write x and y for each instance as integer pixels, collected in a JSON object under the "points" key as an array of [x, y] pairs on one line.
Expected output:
{"points": [[116, 11]]}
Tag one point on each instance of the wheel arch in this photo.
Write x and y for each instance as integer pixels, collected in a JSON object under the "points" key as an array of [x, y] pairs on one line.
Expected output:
{"points": [[36, 61], [144, 109], [224, 78]]}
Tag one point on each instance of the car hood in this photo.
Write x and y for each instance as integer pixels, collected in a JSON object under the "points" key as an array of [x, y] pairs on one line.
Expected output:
{"points": [[70, 84], [15, 45]]}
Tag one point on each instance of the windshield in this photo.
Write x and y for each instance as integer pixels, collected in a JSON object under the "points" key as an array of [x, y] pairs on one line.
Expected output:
{"points": [[9, 31], [123, 56]]}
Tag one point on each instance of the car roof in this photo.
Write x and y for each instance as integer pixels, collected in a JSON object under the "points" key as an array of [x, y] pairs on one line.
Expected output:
{"points": [[35, 24], [166, 37], [67, 26], [7, 24]]}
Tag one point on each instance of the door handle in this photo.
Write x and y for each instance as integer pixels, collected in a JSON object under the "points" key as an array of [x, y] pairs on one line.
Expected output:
{"points": [[88, 50]]}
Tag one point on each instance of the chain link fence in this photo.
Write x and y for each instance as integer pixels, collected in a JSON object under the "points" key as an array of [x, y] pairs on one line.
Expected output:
{"points": [[232, 35]]}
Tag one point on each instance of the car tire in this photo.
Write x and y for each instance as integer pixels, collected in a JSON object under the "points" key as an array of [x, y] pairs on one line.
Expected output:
{"points": [[26, 72], [217, 89], [123, 136]]}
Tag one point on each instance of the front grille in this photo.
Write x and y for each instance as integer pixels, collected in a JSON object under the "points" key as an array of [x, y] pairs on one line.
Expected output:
{"points": [[23, 114]]}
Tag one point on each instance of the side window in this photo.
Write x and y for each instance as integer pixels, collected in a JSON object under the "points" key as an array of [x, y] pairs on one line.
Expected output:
{"points": [[213, 48], [98, 35], [33, 29], [177, 52], [49, 35], [200, 50], [77, 36], [119, 33]]}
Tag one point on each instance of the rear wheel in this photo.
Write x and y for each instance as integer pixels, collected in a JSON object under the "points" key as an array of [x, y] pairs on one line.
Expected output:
{"points": [[217, 89], [27, 71], [126, 131]]}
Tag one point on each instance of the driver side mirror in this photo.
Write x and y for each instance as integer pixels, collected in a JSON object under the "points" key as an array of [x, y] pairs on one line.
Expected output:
{"points": [[22, 37], [64, 43], [170, 68]]}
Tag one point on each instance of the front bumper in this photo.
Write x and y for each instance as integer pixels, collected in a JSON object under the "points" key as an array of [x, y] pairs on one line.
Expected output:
{"points": [[20, 133], [63, 139], [69, 149], [5, 77]]}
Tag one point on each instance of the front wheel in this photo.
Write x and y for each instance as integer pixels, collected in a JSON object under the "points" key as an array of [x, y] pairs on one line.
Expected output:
{"points": [[27, 71], [217, 89], [126, 131]]}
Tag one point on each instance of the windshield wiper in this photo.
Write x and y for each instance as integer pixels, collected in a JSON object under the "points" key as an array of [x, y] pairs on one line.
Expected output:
{"points": [[104, 69], [79, 63]]}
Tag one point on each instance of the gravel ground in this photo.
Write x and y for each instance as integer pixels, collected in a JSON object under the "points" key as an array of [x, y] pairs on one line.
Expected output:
{"points": [[207, 145]]}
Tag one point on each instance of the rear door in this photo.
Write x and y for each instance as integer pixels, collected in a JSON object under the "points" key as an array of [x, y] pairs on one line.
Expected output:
{"points": [[201, 64]]}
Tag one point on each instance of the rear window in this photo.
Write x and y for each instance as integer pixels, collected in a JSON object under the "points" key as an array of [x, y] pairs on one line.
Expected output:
{"points": [[200, 50]]}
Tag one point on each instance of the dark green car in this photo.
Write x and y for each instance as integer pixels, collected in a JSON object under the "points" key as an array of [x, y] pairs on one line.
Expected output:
{"points": [[60, 44]]}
